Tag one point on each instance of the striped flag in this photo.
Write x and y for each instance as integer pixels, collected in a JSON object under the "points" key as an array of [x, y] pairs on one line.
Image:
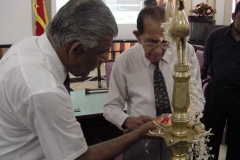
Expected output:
{"points": [[41, 18]]}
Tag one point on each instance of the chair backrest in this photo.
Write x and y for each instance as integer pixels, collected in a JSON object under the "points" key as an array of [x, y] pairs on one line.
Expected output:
{"points": [[108, 67], [200, 58]]}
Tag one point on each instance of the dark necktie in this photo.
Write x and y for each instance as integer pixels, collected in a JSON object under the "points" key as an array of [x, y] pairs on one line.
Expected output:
{"points": [[160, 92], [67, 83]]}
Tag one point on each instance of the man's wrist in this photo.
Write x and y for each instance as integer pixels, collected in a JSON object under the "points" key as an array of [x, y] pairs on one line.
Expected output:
{"points": [[129, 123]]}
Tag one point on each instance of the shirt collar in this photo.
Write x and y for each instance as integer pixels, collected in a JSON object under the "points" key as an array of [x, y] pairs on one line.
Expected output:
{"points": [[47, 49], [228, 30], [147, 62]]}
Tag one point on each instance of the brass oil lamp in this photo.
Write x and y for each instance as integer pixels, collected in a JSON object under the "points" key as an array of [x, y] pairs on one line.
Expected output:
{"points": [[180, 134]]}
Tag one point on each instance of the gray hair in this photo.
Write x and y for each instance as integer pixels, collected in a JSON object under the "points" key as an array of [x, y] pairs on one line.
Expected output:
{"points": [[87, 21]]}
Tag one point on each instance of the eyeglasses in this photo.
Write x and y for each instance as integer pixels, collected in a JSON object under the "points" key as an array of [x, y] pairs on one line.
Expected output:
{"points": [[162, 44]]}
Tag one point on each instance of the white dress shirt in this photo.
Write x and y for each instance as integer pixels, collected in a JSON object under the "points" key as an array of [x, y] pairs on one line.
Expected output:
{"points": [[37, 120], [131, 82]]}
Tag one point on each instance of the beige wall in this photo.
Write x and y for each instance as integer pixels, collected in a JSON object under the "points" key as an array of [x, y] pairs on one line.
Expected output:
{"points": [[188, 6], [228, 12], [48, 8], [225, 19], [212, 3]]}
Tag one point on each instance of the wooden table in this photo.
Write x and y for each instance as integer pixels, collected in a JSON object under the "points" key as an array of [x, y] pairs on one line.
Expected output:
{"points": [[95, 127]]}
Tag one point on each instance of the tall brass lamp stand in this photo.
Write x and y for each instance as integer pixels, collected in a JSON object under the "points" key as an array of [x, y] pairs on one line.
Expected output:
{"points": [[180, 134]]}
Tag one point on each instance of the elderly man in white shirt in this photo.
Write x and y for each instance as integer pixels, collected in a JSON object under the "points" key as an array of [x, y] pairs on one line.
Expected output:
{"points": [[37, 119], [131, 83]]}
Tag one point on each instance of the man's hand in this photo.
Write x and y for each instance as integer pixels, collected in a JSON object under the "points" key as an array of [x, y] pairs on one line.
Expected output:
{"points": [[133, 123], [144, 129]]}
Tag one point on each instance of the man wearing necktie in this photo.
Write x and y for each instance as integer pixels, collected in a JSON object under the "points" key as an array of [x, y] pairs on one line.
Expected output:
{"points": [[142, 78]]}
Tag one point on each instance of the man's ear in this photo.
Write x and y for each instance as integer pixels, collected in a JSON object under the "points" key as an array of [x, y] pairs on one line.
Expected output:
{"points": [[137, 35], [75, 49]]}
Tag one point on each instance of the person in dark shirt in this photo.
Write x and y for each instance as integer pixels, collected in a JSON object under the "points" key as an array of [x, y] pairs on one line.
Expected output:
{"points": [[222, 58]]}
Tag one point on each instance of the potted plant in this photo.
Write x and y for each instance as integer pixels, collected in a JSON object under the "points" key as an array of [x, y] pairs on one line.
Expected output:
{"points": [[203, 10]]}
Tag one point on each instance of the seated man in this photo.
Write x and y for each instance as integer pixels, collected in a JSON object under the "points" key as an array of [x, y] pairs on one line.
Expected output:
{"points": [[132, 82]]}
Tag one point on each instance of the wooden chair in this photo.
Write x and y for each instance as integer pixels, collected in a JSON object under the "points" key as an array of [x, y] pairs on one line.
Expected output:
{"points": [[200, 58], [199, 54]]}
